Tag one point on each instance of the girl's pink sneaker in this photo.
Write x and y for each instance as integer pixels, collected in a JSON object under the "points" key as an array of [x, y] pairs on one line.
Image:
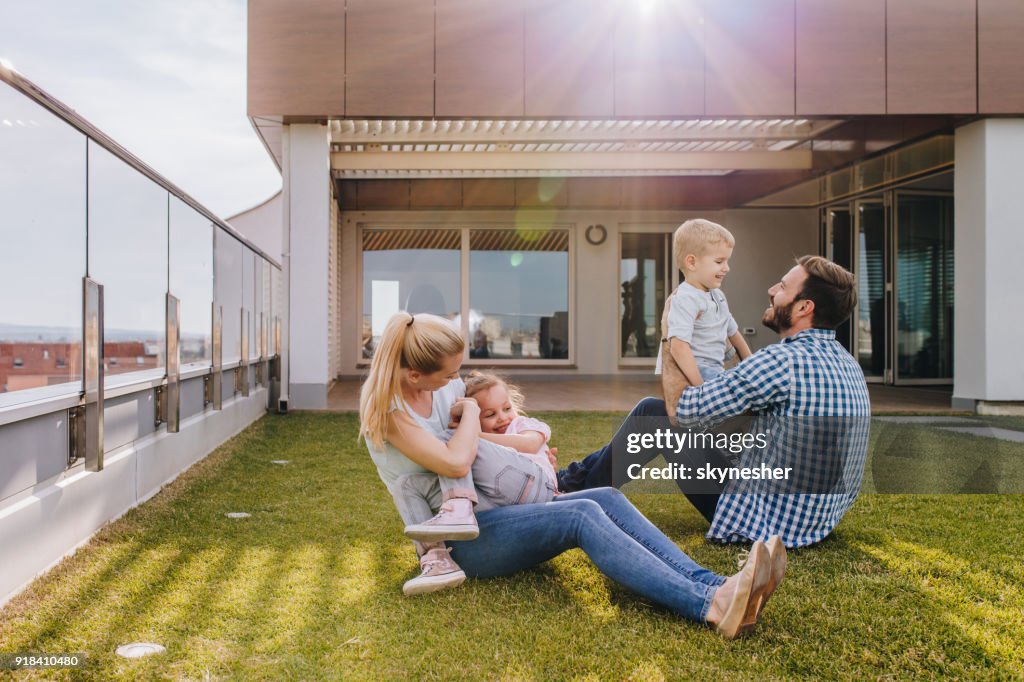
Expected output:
{"points": [[455, 521]]}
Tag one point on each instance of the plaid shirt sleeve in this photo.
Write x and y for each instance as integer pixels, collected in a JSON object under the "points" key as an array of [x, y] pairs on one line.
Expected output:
{"points": [[758, 382]]}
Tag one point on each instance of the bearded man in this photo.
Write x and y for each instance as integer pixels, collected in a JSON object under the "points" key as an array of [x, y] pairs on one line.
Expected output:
{"points": [[811, 415]]}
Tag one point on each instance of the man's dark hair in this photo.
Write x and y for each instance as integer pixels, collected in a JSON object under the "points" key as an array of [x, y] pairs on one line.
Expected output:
{"points": [[833, 289]]}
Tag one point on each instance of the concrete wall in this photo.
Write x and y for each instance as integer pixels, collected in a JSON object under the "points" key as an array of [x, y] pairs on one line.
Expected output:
{"points": [[307, 226], [989, 241], [766, 242], [334, 291], [261, 225]]}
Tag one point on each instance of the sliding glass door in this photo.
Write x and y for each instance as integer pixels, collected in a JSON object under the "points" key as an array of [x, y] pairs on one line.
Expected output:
{"points": [[644, 277], [924, 288], [900, 245], [873, 280], [839, 249]]}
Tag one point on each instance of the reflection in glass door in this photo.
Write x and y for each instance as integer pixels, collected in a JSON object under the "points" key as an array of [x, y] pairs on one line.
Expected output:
{"points": [[924, 287], [872, 277], [839, 249], [643, 273], [900, 246]]}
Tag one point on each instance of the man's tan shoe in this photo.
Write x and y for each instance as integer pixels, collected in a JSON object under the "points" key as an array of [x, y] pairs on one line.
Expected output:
{"points": [[741, 614], [777, 559]]}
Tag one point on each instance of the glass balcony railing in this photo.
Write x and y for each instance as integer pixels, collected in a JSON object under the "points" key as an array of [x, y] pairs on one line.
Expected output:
{"points": [[74, 206]]}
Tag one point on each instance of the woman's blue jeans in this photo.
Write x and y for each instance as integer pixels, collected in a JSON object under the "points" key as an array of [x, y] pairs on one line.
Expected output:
{"points": [[621, 542]]}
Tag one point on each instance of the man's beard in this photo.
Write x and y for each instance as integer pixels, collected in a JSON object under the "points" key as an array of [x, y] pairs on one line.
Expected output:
{"points": [[778, 319]]}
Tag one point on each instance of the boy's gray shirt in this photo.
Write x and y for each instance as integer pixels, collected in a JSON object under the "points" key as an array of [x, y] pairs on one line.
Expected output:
{"points": [[702, 319]]}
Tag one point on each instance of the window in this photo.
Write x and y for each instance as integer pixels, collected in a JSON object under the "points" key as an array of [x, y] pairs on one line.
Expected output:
{"points": [[519, 294], [414, 270], [643, 284], [19, 362], [516, 283]]}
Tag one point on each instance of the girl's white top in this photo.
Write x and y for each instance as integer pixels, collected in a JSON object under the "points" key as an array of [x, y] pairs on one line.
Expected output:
{"points": [[520, 424]]}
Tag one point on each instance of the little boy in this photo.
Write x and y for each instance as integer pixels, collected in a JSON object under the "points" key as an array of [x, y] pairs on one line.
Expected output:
{"points": [[698, 320]]}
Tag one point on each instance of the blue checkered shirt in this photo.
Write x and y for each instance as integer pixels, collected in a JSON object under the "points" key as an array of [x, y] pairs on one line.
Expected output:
{"points": [[807, 375]]}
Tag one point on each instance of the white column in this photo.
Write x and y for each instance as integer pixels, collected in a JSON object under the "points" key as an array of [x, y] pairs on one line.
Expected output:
{"points": [[988, 367], [307, 196]]}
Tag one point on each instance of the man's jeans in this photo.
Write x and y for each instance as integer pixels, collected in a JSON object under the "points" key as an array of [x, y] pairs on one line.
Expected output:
{"points": [[598, 469], [621, 542]]}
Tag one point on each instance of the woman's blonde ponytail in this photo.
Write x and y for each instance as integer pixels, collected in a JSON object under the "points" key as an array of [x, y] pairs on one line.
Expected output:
{"points": [[422, 342]]}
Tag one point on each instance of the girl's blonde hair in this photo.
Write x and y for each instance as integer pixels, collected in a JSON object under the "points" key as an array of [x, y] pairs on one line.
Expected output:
{"points": [[481, 381], [422, 343]]}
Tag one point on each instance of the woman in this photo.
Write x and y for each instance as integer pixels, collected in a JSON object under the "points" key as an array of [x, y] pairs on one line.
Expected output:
{"points": [[405, 416]]}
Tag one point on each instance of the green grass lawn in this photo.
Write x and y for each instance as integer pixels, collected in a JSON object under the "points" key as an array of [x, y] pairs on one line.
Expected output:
{"points": [[309, 587]]}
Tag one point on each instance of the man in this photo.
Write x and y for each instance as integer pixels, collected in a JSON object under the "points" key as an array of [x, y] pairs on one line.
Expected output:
{"points": [[810, 402]]}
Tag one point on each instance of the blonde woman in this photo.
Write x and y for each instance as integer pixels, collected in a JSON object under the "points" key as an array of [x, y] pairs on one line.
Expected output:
{"points": [[407, 404], [432, 459]]}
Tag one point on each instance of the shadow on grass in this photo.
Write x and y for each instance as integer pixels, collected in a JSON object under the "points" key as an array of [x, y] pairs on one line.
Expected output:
{"points": [[65, 594], [920, 459]]}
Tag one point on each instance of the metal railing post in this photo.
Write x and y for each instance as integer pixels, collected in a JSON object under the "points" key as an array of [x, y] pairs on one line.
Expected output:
{"points": [[243, 366], [262, 343], [172, 404], [274, 368], [217, 350], [92, 372]]}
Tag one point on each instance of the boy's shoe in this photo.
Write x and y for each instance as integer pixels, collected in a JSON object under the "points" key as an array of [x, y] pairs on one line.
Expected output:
{"points": [[455, 521], [438, 572]]}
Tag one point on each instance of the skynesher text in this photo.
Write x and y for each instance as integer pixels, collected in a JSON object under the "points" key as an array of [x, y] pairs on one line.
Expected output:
{"points": [[680, 472]]}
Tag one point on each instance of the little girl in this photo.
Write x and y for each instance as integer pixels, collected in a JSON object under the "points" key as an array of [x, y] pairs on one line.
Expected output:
{"points": [[511, 467], [501, 422]]}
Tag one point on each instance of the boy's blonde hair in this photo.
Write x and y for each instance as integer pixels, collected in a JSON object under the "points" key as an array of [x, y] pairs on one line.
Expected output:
{"points": [[697, 236], [477, 382], [421, 342]]}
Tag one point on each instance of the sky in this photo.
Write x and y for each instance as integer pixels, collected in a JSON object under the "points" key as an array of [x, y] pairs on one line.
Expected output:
{"points": [[165, 79]]}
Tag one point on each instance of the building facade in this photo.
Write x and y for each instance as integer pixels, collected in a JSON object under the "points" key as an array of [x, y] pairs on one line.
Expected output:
{"points": [[519, 166]]}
